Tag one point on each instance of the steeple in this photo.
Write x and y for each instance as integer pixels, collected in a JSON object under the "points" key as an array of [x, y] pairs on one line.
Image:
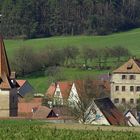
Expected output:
{"points": [[4, 64], [4, 67]]}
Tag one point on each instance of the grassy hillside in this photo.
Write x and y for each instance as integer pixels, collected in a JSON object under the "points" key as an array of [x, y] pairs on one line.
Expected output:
{"points": [[130, 40]]}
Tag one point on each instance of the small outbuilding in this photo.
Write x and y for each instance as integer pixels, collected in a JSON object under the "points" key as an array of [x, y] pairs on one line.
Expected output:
{"points": [[25, 88]]}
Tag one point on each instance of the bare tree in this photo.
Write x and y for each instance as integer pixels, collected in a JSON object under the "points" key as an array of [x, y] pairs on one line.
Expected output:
{"points": [[118, 52], [82, 105], [71, 53], [25, 61]]}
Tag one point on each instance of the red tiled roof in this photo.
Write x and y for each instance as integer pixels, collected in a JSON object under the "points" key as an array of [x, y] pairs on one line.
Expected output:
{"points": [[34, 100], [65, 88], [51, 90], [81, 85], [26, 107], [21, 82]]}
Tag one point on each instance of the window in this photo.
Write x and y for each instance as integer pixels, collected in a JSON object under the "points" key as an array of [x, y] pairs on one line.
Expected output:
{"points": [[117, 88], [123, 77], [57, 93], [123, 100], [116, 100], [132, 77], [131, 101], [138, 88], [123, 88], [131, 88]]}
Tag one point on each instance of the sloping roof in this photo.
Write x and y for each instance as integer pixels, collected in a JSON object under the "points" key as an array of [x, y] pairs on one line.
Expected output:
{"points": [[51, 90], [5, 72], [44, 112], [63, 112], [26, 107], [34, 100], [81, 85], [21, 82], [112, 114], [131, 66], [65, 88], [4, 64]]}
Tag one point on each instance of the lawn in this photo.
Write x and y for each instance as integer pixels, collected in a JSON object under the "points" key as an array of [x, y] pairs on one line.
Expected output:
{"points": [[130, 40], [35, 130], [40, 80]]}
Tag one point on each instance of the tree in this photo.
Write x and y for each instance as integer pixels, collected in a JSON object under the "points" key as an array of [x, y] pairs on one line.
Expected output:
{"points": [[82, 104], [118, 52], [88, 53], [25, 61], [71, 53]]}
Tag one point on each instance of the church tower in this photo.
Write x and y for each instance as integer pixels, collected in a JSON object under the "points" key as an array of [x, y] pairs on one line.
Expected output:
{"points": [[8, 85]]}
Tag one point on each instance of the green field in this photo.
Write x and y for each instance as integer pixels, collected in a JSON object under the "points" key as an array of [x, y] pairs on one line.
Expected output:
{"points": [[35, 130], [130, 40]]}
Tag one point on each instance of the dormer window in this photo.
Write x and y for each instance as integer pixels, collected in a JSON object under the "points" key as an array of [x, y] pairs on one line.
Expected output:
{"points": [[129, 66], [124, 77]]}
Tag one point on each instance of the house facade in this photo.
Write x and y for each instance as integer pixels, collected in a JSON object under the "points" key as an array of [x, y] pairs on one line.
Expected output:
{"points": [[125, 83], [8, 86]]}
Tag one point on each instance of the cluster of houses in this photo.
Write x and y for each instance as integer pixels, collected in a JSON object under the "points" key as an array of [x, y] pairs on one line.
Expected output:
{"points": [[109, 91]]}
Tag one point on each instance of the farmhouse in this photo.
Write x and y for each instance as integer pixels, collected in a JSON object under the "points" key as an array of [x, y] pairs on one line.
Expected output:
{"points": [[125, 83], [8, 86]]}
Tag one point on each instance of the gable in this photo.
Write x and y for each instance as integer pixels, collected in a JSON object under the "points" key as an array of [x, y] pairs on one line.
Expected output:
{"points": [[112, 114], [131, 120], [132, 66], [97, 118], [73, 96], [58, 92]]}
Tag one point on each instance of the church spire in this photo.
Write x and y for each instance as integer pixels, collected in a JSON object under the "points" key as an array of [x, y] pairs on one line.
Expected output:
{"points": [[4, 64], [5, 72]]}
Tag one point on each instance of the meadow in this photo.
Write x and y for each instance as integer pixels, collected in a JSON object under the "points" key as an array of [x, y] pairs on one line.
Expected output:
{"points": [[129, 39], [35, 130]]}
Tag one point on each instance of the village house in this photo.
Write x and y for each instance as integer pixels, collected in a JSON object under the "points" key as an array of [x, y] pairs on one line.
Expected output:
{"points": [[8, 86], [61, 93], [125, 83]]}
